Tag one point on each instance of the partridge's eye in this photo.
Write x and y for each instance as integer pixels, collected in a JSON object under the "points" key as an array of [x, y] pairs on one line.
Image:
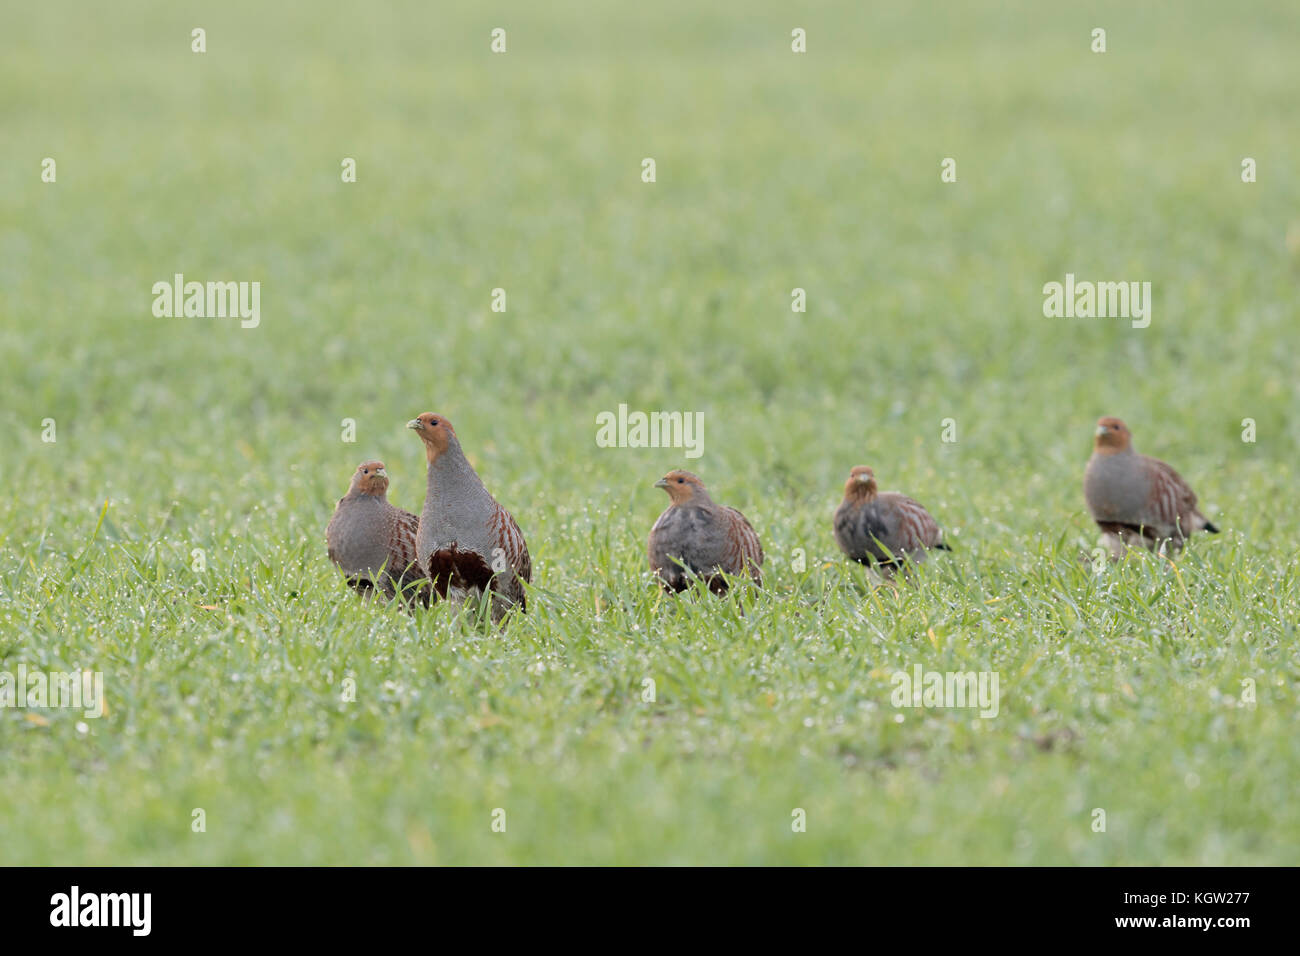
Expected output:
{"points": [[681, 480]]}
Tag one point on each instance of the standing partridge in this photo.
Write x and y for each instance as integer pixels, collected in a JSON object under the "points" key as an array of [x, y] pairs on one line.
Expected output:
{"points": [[374, 542], [695, 537], [1135, 499], [884, 527], [466, 541]]}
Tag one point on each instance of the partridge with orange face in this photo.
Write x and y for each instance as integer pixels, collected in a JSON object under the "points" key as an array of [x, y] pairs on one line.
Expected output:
{"points": [[1136, 499], [886, 528], [372, 541], [466, 540], [696, 538]]}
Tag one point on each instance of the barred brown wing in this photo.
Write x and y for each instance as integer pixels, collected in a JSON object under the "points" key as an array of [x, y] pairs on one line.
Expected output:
{"points": [[917, 529], [1172, 499], [744, 552]]}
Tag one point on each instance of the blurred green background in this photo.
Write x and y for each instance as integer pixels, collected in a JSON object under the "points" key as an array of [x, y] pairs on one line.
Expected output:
{"points": [[522, 171]]}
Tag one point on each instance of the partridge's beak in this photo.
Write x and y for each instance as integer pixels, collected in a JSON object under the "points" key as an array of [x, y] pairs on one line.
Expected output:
{"points": [[381, 473], [863, 479], [661, 483], [1101, 430], [415, 423]]}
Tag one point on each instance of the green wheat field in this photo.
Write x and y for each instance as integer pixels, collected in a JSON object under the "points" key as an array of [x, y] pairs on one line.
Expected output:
{"points": [[1162, 693]]}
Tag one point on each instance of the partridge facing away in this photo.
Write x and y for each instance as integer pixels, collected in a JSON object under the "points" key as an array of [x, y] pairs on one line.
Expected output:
{"points": [[883, 527], [707, 538], [1136, 499], [374, 542], [466, 542]]}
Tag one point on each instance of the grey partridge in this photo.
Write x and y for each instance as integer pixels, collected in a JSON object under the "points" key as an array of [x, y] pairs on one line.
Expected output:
{"points": [[697, 538], [1137, 500], [886, 529], [466, 541], [373, 542]]}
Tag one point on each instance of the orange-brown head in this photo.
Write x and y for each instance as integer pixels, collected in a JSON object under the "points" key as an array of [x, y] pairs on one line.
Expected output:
{"points": [[861, 485], [1112, 436], [681, 486], [436, 433], [369, 479]]}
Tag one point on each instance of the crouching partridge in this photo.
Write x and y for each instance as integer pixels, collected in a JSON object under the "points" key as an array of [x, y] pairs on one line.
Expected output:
{"points": [[696, 538], [373, 542], [1137, 500], [884, 528]]}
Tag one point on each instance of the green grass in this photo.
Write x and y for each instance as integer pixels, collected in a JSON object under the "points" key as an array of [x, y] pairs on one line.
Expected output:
{"points": [[1120, 691]]}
